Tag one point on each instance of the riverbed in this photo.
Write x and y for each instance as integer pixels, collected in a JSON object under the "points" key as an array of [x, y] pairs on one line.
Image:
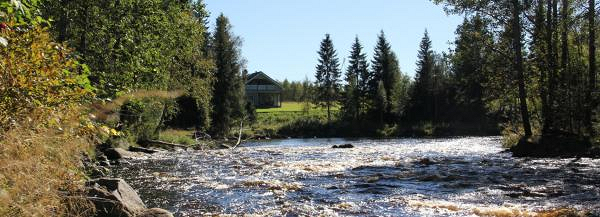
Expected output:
{"points": [[394, 177]]}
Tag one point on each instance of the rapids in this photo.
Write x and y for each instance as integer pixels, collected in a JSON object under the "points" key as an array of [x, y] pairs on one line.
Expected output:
{"points": [[396, 177]]}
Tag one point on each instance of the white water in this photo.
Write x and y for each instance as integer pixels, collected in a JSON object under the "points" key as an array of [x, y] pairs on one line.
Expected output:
{"points": [[397, 177]]}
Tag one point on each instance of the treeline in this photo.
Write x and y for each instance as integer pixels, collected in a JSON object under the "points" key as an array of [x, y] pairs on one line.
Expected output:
{"points": [[529, 66], [136, 45], [296, 91], [538, 61], [376, 94]]}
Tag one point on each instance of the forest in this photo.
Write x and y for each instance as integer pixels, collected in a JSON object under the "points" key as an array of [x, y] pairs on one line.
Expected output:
{"points": [[77, 74], [526, 70]]}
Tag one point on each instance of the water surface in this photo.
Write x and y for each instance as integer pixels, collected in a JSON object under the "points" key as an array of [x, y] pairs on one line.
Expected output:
{"points": [[396, 177]]}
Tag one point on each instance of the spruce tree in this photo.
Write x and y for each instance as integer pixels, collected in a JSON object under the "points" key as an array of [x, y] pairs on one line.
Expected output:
{"points": [[384, 69], [422, 95], [327, 76], [228, 85], [202, 14], [356, 81], [469, 63]]}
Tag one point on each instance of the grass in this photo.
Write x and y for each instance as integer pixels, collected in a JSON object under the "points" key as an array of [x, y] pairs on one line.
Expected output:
{"points": [[295, 107], [177, 136], [270, 120], [40, 163]]}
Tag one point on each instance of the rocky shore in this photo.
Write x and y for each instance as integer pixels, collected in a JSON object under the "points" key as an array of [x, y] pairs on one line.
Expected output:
{"points": [[114, 197]]}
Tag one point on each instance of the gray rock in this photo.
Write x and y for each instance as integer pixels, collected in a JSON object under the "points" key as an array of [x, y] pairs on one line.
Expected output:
{"points": [[343, 146], [155, 212], [114, 197], [116, 153], [105, 163]]}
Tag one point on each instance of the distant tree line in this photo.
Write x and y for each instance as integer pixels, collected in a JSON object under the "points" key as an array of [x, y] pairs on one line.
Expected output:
{"points": [[296, 91], [378, 92], [529, 66]]}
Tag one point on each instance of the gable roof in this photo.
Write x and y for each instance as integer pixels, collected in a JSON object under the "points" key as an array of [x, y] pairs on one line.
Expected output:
{"points": [[261, 75]]}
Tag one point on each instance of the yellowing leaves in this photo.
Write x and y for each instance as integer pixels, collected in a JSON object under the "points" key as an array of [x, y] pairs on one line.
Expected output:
{"points": [[32, 75]]}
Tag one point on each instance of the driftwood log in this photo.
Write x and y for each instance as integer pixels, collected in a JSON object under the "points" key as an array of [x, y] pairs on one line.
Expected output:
{"points": [[167, 143]]}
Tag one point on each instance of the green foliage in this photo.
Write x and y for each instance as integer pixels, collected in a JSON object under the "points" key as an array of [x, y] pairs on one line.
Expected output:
{"points": [[183, 137], [546, 86], [292, 91], [41, 121], [470, 64], [228, 100], [37, 74], [21, 13], [385, 70], [327, 76], [355, 98], [141, 118], [422, 106], [150, 45]]}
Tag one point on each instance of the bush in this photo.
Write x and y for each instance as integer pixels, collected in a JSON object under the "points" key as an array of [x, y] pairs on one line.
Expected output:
{"points": [[141, 118], [37, 74]]}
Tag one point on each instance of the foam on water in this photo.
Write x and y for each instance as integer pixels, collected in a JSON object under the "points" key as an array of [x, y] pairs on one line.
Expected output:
{"points": [[396, 177]]}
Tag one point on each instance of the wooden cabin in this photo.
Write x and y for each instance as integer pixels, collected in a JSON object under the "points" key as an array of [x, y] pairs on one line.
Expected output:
{"points": [[262, 91]]}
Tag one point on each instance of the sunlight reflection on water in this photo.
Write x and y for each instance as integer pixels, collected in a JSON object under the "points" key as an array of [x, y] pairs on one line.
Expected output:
{"points": [[395, 177]]}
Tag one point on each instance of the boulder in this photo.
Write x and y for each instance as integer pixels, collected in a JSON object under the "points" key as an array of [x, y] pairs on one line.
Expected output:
{"points": [[155, 212], [426, 161], [343, 146], [116, 153], [114, 197]]}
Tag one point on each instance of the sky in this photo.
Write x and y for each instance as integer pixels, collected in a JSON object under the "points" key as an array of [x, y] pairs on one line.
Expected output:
{"points": [[282, 37]]}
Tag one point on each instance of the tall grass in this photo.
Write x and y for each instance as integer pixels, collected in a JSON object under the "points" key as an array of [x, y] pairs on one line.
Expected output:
{"points": [[40, 166]]}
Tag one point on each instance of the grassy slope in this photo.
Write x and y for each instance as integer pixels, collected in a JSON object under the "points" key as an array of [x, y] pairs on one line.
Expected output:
{"points": [[295, 107], [268, 121]]}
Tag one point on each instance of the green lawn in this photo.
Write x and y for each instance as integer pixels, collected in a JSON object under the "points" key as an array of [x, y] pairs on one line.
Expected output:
{"points": [[268, 121], [294, 107]]}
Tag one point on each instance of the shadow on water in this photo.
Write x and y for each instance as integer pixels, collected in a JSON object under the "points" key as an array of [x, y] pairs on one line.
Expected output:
{"points": [[399, 177]]}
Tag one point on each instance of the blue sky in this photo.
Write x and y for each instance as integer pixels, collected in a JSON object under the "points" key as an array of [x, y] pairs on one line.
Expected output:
{"points": [[281, 37]]}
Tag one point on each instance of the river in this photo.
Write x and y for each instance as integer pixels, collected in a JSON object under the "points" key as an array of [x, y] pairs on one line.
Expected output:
{"points": [[395, 177]]}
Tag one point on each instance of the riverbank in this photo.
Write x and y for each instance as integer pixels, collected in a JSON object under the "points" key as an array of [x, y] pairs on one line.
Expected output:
{"points": [[315, 127], [555, 146]]}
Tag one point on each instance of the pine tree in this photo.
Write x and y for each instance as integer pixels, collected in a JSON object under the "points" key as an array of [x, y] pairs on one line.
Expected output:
{"points": [[327, 76], [228, 86], [356, 79]]}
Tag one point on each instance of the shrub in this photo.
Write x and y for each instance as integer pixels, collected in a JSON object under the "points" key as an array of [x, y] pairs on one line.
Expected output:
{"points": [[141, 118]]}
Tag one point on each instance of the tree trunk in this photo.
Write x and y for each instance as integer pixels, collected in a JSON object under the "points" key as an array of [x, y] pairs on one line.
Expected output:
{"points": [[592, 66], [565, 36], [564, 64], [541, 60], [518, 52]]}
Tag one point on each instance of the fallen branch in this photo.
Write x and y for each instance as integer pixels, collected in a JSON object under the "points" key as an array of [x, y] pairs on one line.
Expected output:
{"points": [[239, 135]]}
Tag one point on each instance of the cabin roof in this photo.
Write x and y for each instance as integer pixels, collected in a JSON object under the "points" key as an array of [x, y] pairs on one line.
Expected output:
{"points": [[262, 75]]}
